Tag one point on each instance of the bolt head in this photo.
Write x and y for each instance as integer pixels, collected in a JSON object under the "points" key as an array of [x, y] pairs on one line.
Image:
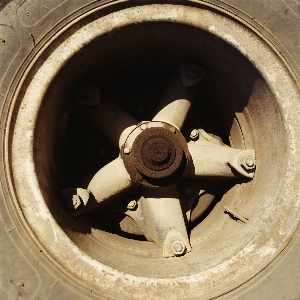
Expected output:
{"points": [[248, 163], [86, 90], [188, 190], [178, 247], [194, 134], [132, 204], [143, 126], [76, 201], [126, 150], [193, 70]]}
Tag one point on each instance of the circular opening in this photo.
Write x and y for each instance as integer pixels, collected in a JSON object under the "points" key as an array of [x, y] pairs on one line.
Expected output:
{"points": [[238, 104], [133, 70]]}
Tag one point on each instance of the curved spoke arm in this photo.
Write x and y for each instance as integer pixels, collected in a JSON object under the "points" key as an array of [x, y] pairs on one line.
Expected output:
{"points": [[180, 94], [220, 162], [109, 182], [160, 217], [110, 119]]}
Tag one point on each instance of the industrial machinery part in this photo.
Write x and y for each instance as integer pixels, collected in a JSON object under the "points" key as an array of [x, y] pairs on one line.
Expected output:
{"points": [[149, 149]]}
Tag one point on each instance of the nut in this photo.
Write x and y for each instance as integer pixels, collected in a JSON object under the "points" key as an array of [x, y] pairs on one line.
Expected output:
{"points": [[188, 190], [247, 163], [139, 177], [86, 90], [178, 247], [132, 204], [143, 126], [194, 134], [193, 70], [76, 202]]}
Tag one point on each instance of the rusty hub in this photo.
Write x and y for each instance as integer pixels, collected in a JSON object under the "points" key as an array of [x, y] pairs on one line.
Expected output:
{"points": [[158, 154]]}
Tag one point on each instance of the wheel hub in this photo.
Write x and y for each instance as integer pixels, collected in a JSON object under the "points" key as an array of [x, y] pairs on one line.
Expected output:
{"points": [[98, 259], [157, 154]]}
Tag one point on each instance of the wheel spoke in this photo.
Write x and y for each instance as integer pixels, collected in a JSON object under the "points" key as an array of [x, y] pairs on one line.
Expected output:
{"points": [[180, 93], [154, 155], [108, 117], [219, 162], [109, 182], [161, 219]]}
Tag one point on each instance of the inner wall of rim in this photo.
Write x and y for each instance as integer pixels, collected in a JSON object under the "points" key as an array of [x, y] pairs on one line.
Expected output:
{"points": [[132, 65]]}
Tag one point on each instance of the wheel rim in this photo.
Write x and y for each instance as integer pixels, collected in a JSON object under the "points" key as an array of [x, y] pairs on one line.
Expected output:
{"points": [[241, 260]]}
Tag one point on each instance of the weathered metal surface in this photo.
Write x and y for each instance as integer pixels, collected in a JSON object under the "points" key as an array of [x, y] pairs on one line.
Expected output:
{"points": [[226, 253], [156, 155]]}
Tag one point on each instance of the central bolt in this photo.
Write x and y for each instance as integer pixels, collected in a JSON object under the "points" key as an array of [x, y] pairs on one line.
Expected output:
{"points": [[155, 155], [159, 152]]}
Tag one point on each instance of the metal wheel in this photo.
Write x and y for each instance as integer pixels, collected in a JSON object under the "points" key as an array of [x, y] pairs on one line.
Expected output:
{"points": [[155, 154], [162, 173]]}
